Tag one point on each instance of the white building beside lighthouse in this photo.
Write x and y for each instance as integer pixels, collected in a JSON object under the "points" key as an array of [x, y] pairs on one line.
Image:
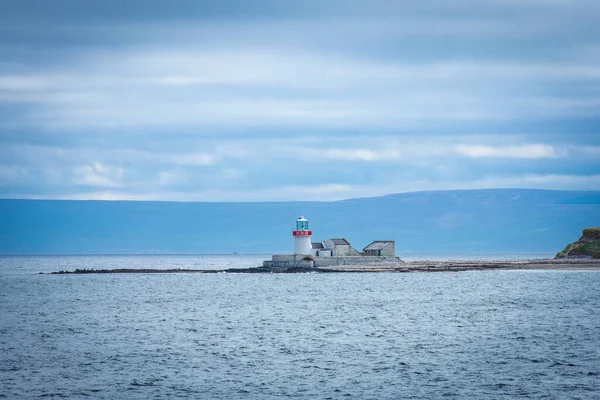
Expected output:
{"points": [[302, 235]]}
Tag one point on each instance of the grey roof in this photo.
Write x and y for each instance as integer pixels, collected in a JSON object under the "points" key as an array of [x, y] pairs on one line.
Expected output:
{"points": [[338, 242], [378, 245], [317, 245]]}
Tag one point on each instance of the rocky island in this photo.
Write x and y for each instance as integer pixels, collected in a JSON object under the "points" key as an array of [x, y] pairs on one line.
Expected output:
{"points": [[584, 254], [588, 246]]}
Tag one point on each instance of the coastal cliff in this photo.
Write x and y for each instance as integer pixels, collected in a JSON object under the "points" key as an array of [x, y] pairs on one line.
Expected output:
{"points": [[588, 246]]}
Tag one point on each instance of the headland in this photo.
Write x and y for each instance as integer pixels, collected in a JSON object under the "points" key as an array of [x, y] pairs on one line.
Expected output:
{"points": [[587, 246]]}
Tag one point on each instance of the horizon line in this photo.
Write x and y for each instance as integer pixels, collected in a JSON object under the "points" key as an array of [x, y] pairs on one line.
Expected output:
{"points": [[40, 198]]}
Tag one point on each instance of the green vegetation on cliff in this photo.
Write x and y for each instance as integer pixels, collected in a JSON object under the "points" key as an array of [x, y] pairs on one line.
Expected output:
{"points": [[588, 245], [591, 233]]}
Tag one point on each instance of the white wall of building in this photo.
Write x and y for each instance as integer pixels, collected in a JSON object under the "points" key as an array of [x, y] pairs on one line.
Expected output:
{"points": [[324, 253]]}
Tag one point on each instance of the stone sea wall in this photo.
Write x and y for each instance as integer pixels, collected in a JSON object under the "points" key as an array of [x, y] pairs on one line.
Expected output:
{"points": [[303, 261]]}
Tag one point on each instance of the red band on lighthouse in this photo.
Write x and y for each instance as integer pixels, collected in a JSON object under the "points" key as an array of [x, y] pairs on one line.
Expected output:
{"points": [[302, 233]]}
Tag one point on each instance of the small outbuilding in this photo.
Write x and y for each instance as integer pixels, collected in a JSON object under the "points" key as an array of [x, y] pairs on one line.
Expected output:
{"points": [[318, 250], [381, 248], [341, 248]]}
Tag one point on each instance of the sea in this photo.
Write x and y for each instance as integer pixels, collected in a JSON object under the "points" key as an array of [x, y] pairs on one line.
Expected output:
{"points": [[477, 334]]}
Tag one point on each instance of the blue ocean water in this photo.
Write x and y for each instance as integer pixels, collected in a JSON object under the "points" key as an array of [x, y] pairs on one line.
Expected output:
{"points": [[496, 334]]}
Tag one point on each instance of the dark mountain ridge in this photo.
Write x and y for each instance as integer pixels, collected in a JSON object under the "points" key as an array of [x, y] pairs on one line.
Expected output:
{"points": [[496, 221]]}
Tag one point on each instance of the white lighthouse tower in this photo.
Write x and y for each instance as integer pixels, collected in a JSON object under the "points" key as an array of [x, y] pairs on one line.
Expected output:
{"points": [[302, 237]]}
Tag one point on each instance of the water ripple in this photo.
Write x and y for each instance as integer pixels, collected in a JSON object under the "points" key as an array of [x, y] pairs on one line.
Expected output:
{"points": [[515, 334]]}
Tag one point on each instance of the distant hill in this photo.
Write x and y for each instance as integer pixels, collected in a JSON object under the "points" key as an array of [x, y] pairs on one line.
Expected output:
{"points": [[497, 221], [588, 245]]}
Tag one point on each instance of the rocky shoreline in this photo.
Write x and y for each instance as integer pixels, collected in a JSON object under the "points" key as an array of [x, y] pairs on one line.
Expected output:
{"points": [[411, 266]]}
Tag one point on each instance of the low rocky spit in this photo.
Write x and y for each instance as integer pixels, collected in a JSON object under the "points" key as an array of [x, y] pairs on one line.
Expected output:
{"points": [[411, 266]]}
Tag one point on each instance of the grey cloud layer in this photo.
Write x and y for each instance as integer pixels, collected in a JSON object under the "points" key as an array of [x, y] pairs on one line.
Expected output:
{"points": [[130, 99]]}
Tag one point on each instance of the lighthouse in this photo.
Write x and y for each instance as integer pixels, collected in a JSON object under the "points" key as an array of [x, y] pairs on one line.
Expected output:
{"points": [[302, 237]]}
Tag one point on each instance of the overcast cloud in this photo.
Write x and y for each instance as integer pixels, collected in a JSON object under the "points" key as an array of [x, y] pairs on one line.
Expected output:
{"points": [[305, 100]]}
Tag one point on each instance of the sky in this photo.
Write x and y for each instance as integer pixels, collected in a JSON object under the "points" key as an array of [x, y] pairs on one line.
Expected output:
{"points": [[271, 100]]}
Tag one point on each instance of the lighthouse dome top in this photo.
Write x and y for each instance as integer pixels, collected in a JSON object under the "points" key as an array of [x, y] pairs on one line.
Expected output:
{"points": [[301, 224]]}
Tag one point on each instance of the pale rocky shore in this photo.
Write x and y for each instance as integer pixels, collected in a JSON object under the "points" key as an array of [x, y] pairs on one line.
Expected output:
{"points": [[475, 265], [410, 266]]}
